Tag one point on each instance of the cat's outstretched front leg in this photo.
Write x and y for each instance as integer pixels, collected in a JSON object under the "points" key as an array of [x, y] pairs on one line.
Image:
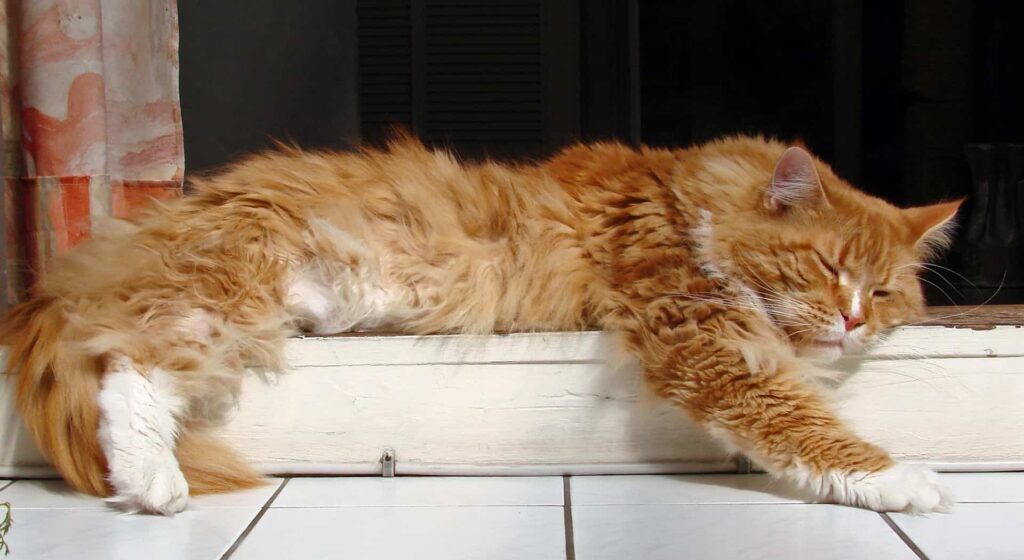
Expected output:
{"points": [[771, 413], [138, 427]]}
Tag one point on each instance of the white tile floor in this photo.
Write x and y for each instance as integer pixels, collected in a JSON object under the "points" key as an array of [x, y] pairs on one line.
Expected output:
{"points": [[610, 517]]}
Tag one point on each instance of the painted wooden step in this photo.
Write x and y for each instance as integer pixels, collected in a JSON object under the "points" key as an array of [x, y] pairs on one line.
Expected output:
{"points": [[547, 403]]}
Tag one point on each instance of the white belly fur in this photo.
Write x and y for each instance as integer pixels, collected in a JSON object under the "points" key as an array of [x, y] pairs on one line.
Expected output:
{"points": [[343, 290]]}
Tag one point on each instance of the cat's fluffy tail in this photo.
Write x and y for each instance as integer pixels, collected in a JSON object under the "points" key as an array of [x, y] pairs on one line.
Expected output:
{"points": [[56, 391], [211, 467]]}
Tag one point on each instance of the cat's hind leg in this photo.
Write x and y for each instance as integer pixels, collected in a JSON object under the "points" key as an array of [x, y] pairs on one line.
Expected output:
{"points": [[139, 415]]}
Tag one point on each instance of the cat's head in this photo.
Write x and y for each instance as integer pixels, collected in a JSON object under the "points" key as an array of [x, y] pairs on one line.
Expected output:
{"points": [[833, 267]]}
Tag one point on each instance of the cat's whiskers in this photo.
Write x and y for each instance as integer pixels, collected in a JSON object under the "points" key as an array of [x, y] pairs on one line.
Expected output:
{"points": [[922, 359], [717, 299], [794, 333], [934, 268], [794, 309], [933, 284], [770, 294], [778, 315], [917, 275], [925, 370], [962, 313]]}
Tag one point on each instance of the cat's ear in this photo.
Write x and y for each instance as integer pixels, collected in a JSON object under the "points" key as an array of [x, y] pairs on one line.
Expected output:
{"points": [[931, 227], [795, 182]]}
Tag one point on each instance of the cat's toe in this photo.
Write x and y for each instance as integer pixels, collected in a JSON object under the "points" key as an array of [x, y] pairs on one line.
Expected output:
{"points": [[167, 493], [900, 488], [161, 490]]}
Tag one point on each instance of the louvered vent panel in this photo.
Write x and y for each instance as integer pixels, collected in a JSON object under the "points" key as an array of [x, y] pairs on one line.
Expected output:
{"points": [[483, 72], [385, 62]]}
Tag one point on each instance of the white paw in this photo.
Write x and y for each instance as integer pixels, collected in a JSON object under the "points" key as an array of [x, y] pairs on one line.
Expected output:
{"points": [[902, 487], [159, 488]]}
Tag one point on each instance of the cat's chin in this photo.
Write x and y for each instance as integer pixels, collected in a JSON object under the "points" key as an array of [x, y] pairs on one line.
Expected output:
{"points": [[828, 352], [822, 354]]}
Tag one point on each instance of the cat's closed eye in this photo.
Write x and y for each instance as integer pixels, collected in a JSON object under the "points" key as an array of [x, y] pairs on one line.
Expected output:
{"points": [[828, 266], [880, 294]]}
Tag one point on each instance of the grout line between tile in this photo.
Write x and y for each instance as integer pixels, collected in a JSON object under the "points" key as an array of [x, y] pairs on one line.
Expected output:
{"points": [[413, 506], [904, 536], [252, 524], [704, 503], [9, 482], [570, 542]]}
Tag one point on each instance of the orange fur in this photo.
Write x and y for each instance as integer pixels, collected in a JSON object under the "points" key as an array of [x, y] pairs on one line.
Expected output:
{"points": [[56, 393], [718, 289], [211, 467]]}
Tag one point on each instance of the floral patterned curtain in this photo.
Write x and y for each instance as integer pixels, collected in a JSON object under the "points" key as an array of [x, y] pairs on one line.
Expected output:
{"points": [[91, 120]]}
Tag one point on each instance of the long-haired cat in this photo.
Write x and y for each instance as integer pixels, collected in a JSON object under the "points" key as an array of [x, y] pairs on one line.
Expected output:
{"points": [[729, 269]]}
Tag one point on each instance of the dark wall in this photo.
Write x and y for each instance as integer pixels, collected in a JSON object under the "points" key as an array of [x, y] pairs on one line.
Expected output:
{"points": [[714, 68], [265, 69], [485, 77], [887, 91], [890, 92]]}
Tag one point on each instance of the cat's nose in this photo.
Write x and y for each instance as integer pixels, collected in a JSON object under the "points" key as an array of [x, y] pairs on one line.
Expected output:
{"points": [[852, 322]]}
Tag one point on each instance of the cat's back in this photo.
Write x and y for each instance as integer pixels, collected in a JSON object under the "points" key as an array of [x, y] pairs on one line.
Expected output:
{"points": [[601, 174], [504, 235], [404, 182]]}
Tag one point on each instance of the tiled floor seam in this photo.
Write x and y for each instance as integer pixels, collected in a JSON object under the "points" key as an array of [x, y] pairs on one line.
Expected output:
{"points": [[9, 482], [570, 543], [255, 520], [413, 506], [904, 536]]}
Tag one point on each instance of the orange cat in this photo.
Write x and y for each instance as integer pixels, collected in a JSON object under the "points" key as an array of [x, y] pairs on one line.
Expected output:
{"points": [[729, 269]]}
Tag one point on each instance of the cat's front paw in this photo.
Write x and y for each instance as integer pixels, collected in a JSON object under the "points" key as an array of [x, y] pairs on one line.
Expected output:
{"points": [[158, 488], [902, 487]]}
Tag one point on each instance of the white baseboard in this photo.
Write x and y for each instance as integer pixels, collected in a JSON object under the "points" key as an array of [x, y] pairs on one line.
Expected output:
{"points": [[552, 403]]}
